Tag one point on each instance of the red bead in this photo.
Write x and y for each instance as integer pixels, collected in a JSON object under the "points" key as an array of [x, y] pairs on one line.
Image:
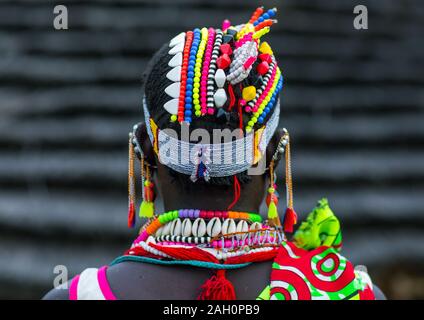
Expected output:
{"points": [[265, 57], [262, 68], [223, 62], [226, 49]]}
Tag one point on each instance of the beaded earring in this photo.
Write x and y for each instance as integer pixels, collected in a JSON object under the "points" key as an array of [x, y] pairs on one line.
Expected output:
{"points": [[131, 183], [147, 207], [272, 198], [290, 217]]}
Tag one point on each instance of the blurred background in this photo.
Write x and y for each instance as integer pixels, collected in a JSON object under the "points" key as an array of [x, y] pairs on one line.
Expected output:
{"points": [[353, 102]]}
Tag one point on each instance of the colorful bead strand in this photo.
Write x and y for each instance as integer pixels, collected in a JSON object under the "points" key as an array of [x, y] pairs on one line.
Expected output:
{"points": [[197, 88], [190, 76], [274, 98], [205, 73], [211, 73], [181, 102]]}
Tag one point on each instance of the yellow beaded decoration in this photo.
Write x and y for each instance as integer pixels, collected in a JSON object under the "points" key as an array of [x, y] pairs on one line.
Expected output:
{"points": [[198, 71], [265, 47], [249, 93]]}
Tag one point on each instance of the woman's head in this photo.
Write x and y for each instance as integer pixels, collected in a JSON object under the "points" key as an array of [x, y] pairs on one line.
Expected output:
{"points": [[212, 79]]}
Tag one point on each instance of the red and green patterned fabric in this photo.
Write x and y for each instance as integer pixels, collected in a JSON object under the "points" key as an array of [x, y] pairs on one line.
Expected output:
{"points": [[319, 274]]}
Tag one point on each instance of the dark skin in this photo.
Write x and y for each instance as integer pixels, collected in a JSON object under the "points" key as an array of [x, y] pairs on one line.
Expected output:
{"points": [[132, 280]]}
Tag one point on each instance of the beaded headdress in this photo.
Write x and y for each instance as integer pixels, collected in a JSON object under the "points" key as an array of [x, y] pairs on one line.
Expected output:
{"points": [[206, 67]]}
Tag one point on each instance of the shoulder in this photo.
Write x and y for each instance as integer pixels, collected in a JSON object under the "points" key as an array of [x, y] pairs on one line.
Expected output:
{"points": [[59, 293]]}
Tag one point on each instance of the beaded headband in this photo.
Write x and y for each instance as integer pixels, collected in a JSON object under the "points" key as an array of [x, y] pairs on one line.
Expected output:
{"points": [[206, 66]]}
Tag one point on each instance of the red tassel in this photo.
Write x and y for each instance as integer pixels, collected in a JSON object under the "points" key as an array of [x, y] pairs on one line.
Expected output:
{"points": [[232, 97], [236, 193], [218, 287], [290, 219], [131, 215]]}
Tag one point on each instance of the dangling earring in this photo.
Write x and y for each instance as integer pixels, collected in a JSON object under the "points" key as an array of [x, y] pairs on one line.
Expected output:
{"points": [[290, 217], [131, 183], [272, 199], [147, 207]]}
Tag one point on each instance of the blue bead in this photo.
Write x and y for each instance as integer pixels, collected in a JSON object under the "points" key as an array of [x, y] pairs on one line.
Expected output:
{"points": [[260, 119], [193, 52], [188, 119], [190, 74], [261, 19], [266, 16], [271, 12], [255, 23], [197, 30], [188, 100], [187, 113], [267, 109], [190, 81], [190, 68], [189, 87], [188, 106]]}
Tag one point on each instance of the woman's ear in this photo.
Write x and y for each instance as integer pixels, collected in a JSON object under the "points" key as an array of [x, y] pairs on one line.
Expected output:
{"points": [[145, 144], [273, 146]]}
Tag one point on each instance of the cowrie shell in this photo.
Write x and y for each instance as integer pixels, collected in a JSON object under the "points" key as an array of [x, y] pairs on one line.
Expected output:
{"points": [[242, 226], [176, 227], [199, 227], [166, 229], [214, 227], [186, 228], [159, 232], [256, 226], [229, 226]]}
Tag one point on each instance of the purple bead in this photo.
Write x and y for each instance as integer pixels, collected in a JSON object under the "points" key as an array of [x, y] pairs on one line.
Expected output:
{"points": [[196, 213], [191, 213]]}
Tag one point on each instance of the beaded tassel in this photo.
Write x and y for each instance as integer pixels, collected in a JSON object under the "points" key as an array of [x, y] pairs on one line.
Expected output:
{"points": [[131, 184], [290, 217], [272, 199], [147, 207]]}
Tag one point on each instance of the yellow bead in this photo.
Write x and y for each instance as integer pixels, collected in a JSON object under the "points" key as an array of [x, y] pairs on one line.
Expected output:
{"points": [[195, 90], [198, 113], [265, 48], [195, 95], [249, 93], [173, 118], [196, 85]]}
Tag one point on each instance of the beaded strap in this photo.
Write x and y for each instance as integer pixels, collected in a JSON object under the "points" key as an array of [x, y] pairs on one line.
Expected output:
{"points": [[198, 71], [211, 73], [181, 102]]}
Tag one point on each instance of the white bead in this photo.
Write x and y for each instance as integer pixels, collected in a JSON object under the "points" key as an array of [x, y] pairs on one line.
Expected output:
{"points": [[220, 97], [229, 226], [171, 106], [177, 48], [173, 90], [199, 227], [214, 227], [220, 78], [186, 228], [174, 74], [177, 39], [176, 60], [176, 227]]}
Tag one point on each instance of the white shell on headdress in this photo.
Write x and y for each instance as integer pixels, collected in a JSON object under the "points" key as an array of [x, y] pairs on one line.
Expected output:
{"points": [[171, 106], [186, 228], [176, 60], [199, 227], [214, 227], [173, 90], [220, 97], [174, 74], [177, 39], [176, 227], [179, 47], [256, 226], [229, 226]]}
